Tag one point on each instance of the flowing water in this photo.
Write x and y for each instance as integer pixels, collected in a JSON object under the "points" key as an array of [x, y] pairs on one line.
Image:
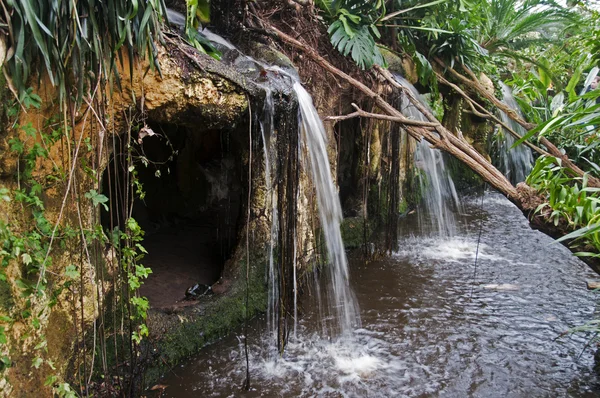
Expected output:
{"points": [[342, 302], [515, 163], [439, 194], [432, 324]]}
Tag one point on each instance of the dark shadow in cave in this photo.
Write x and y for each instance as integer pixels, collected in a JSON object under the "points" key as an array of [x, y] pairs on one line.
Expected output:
{"points": [[193, 183]]}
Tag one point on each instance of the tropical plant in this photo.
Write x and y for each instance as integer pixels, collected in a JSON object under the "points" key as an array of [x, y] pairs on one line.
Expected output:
{"points": [[352, 29], [507, 24], [197, 13], [569, 198]]}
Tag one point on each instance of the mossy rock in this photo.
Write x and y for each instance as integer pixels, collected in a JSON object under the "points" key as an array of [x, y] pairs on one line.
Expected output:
{"points": [[353, 232], [402, 65]]}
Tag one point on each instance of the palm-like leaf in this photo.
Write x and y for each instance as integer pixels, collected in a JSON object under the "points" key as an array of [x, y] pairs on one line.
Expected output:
{"points": [[509, 20]]}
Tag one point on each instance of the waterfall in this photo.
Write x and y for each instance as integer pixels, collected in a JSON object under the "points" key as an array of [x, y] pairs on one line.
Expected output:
{"points": [[342, 301], [515, 163], [438, 192], [266, 128], [313, 138]]}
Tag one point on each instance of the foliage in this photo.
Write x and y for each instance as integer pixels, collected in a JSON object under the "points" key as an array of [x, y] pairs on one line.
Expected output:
{"points": [[569, 198], [353, 31], [78, 42], [513, 23], [28, 243], [566, 118], [197, 12]]}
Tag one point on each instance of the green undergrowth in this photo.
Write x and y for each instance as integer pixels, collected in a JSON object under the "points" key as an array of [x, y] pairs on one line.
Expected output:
{"points": [[570, 202]]}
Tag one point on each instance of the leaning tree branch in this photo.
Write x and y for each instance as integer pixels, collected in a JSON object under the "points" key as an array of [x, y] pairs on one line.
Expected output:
{"points": [[444, 140], [552, 149], [459, 142], [488, 114]]}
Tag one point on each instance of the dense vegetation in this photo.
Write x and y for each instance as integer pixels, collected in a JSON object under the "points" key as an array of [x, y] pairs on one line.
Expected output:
{"points": [[548, 54]]}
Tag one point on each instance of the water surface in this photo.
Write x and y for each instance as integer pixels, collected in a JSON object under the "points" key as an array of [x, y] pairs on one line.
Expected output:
{"points": [[432, 324]]}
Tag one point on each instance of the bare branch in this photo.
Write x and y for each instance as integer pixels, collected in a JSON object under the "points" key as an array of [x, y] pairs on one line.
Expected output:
{"points": [[402, 120]]}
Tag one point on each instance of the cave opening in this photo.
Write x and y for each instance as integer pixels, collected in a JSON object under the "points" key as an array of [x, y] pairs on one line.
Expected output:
{"points": [[193, 181]]}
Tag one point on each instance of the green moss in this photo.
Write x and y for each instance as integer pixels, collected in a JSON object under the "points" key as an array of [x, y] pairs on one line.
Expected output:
{"points": [[394, 61], [353, 232], [403, 207], [270, 55], [464, 178]]}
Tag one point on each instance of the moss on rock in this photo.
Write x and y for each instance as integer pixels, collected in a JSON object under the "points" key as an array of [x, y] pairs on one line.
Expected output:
{"points": [[353, 232]]}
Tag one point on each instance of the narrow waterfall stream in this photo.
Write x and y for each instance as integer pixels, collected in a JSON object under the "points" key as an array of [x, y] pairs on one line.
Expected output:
{"points": [[342, 302], [439, 194], [515, 163]]}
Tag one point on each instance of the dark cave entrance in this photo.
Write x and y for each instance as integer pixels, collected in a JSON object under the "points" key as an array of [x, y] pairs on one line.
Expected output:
{"points": [[193, 181]]}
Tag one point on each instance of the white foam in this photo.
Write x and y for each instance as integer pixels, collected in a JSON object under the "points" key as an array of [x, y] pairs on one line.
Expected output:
{"points": [[450, 250]]}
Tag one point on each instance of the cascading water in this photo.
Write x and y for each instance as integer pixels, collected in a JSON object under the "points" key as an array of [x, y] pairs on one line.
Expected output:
{"points": [[266, 127], [342, 298], [437, 187], [515, 163], [342, 302]]}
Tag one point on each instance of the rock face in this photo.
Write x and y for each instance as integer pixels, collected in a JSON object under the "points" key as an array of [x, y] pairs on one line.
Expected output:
{"points": [[195, 95]]}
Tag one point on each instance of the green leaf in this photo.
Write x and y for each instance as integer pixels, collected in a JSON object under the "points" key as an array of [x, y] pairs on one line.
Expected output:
{"points": [[361, 46], [72, 272], [37, 362], [26, 258], [50, 380], [570, 89], [97, 198], [327, 6], [3, 339], [585, 231]]}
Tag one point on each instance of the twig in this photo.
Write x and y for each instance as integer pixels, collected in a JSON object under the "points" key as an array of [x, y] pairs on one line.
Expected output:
{"points": [[402, 120]]}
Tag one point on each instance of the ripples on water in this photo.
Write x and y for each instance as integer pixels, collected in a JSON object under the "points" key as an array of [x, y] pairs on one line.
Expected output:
{"points": [[432, 324]]}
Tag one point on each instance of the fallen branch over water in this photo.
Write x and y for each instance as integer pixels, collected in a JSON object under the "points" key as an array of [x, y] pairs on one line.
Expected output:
{"points": [[474, 83], [440, 138], [362, 113]]}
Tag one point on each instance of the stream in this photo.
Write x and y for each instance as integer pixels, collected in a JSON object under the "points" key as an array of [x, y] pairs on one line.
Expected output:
{"points": [[433, 324]]}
